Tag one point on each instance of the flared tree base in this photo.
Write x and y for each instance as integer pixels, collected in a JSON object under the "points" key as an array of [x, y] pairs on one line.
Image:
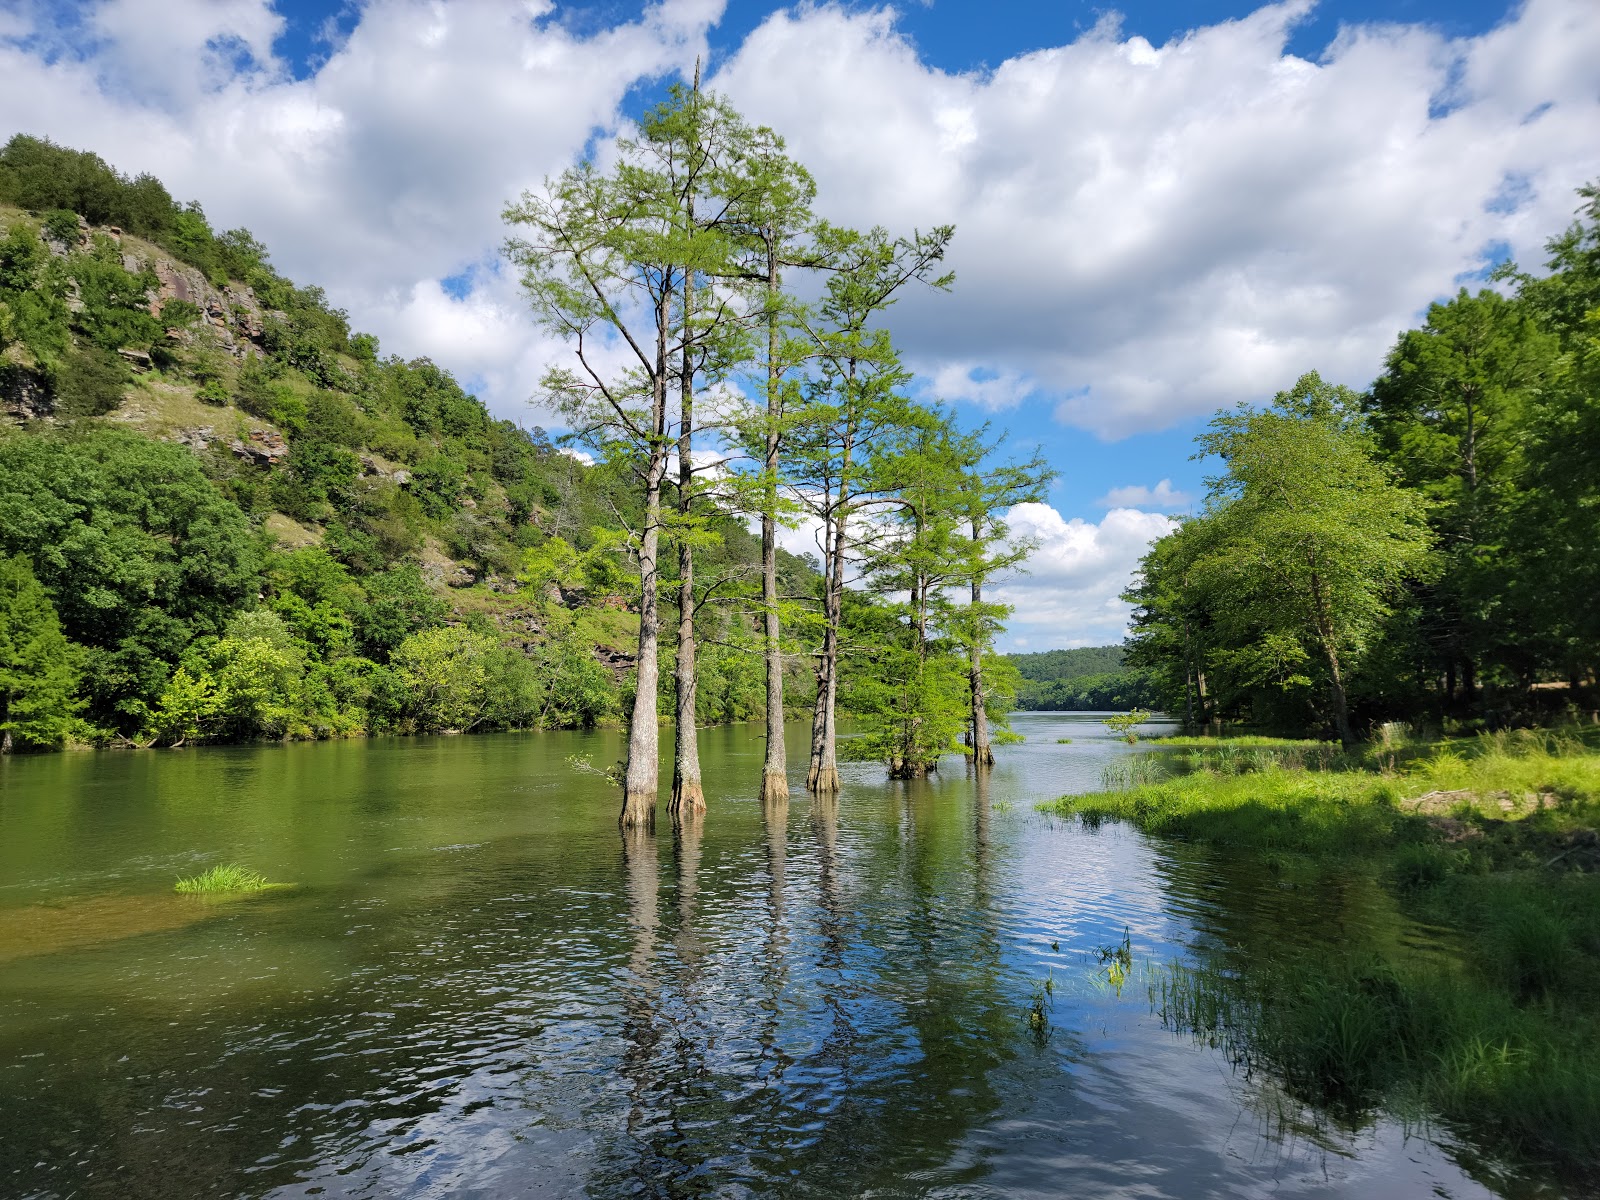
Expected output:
{"points": [[638, 810], [774, 786], [825, 781], [688, 796]]}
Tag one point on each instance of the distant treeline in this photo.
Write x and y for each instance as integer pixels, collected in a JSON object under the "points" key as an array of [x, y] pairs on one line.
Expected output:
{"points": [[1091, 677]]}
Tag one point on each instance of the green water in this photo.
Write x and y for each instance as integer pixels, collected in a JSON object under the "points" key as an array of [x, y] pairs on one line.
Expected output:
{"points": [[476, 987]]}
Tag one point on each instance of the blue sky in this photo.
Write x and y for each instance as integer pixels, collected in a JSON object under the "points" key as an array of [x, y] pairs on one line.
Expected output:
{"points": [[1159, 212]]}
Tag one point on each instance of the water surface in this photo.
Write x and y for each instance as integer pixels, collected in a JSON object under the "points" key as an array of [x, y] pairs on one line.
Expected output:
{"points": [[476, 987]]}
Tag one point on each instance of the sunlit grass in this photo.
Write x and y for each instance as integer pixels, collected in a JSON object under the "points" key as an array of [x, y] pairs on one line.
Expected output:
{"points": [[1492, 838], [225, 879]]}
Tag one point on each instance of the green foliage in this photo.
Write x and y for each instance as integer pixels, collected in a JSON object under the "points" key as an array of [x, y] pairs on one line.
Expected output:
{"points": [[1125, 724], [136, 548], [1053, 666], [224, 879], [90, 382], [38, 676], [62, 225], [1501, 1042], [446, 673]]}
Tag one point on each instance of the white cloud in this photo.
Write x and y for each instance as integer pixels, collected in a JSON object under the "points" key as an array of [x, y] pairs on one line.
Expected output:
{"points": [[1069, 597], [377, 177], [1163, 497], [1150, 232]]}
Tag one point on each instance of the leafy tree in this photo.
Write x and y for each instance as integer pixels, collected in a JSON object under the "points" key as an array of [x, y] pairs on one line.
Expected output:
{"points": [[37, 674], [1450, 413], [137, 549], [1313, 540], [983, 501], [853, 402], [609, 254], [444, 673], [114, 312], [398, 604]]}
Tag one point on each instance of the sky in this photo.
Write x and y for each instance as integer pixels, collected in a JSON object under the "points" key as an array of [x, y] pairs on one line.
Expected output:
{"points": [[1161, 208]]}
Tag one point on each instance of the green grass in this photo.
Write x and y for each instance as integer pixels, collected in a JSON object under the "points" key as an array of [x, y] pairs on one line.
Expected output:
{"points": [[225, 879], [1490, 839], [1202, 742]]}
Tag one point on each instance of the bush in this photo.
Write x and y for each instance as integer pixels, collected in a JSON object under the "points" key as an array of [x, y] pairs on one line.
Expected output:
{"points": [[90, 383], [62, 225]]}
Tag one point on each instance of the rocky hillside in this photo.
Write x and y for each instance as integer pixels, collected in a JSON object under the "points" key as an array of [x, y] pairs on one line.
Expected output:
{"points": [[279, 531]]}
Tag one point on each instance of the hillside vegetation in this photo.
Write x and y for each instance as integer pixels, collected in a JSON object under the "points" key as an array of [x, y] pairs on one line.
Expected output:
{"points": [[226, 515], [1094, 678]]}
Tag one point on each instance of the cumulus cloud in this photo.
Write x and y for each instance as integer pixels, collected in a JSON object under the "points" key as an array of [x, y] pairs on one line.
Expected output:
{"points": [[381, 174], [1069, 597], [1163, 497], [1149, 232]]}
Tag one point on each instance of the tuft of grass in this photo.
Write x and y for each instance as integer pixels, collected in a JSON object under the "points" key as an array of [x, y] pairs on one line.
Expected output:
{"points": [[1063, 741], [226, 878], [1130, 771]]}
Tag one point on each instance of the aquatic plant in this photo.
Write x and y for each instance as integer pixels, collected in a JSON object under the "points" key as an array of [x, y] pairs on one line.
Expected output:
{"points": [[1116, 959], [225, 878], [1131, 771], [1063, 741], [1037, 1013]]}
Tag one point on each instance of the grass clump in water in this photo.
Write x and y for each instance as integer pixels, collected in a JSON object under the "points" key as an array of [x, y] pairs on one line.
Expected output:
{"points": [[225, 879]]}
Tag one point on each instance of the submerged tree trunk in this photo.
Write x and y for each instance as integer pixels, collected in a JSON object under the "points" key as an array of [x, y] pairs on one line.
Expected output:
{"points": [[642, 776], [687, 791], [982, 752], [775, 770]]}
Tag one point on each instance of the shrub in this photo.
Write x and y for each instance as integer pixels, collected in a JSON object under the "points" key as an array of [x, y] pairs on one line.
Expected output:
{"points": [[90, 383]]}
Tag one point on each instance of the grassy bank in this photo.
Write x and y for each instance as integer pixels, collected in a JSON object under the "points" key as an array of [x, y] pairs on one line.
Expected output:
{"points": [[1492, 839]]}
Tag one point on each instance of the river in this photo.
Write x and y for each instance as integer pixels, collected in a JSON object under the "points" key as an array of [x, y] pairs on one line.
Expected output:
{"points": [[476, 987]]}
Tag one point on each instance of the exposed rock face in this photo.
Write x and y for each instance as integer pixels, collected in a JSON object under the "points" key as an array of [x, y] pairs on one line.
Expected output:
{"points": [[232, 315], [263, 448], [196, 439]]}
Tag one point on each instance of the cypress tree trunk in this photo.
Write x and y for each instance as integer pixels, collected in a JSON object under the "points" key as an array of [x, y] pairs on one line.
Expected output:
{"points": [[642, 775], [775, 770], [687, 791], [642, 778], [982, 752], [824, 774]]}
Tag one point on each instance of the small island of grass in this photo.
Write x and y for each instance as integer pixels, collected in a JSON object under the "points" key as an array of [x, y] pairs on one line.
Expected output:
{"points": [[226, 879]]}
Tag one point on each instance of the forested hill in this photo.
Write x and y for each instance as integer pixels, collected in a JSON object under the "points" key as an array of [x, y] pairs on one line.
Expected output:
{"points": [[1087, 678], [225, 514]]}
